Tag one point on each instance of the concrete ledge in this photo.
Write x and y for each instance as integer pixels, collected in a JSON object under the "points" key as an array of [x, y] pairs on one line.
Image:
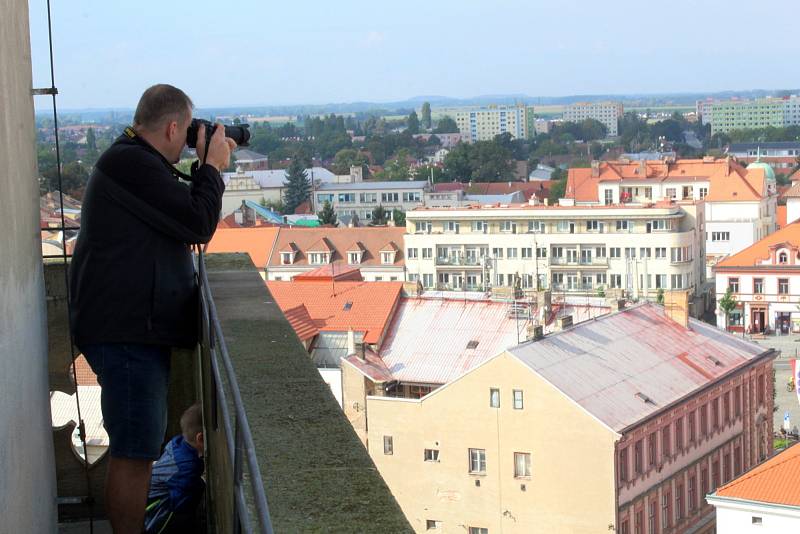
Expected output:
{"points": [[318, 475]]}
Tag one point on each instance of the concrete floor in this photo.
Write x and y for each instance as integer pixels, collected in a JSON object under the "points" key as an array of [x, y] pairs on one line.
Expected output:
{"points": [[785, 401]]}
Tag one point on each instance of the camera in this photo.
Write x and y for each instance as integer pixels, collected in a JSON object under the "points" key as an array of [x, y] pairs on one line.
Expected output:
{"points": [[240, 133]]}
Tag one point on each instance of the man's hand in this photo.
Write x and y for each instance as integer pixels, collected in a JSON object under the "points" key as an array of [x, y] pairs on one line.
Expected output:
{"points": [[219, 149]]}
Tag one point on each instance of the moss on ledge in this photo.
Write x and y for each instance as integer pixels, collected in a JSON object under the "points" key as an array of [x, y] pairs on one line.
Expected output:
{"points": [[318, 476]]}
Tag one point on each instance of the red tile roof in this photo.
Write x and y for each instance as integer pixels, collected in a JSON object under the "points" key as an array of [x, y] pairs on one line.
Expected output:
{"points": [[301, 321], [780, 216], [359, 306], [330, 272], [229, 221], [728, 180], [339, 241], [257, 242], [86, 376], [774, 481], [760, 250]]}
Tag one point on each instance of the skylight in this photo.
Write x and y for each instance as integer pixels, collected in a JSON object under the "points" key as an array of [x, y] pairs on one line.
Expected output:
{"points": [[347, 306], [472, 344]]}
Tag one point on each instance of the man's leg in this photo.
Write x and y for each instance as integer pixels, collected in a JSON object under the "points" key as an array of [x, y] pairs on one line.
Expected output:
{"points": [[127, 483]]}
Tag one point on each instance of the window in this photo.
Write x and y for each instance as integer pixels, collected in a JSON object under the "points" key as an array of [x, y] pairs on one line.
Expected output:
{"points": [[758, 285], [325, 198], [511, 253], [432, 524], [666, 448], [659, 224], [678, 502], [423, 227], [783, 286], [737, 401], [452, 227], [733, 285], [783, 258], [679, 435], [623, 465], [756, 520], [638, 467], [624, 226], [651, 517], [388, 445], [368, 198], [593, 226], [661, 252], [666, 504], [715, 474], [390, 197], [726, 407], [478, 530], [692, 491], [480, 227], [692, 431], [616, 280], [760, 389], [431, 455], [704, 480], [318, 258], [630, 252], [614, 252], [522, 464], [680, 254], [494, 398], [704, 420], [354, 258], [652, 447], [600, 252], [715, 414], [644, 252], [411, 253], [527, 253], [638, 522], [387, 258], [411, 197], [427, 279], [508, 226], [536, 227], [517, 399], [477, 460], [286, 258], [720, 236], [677, 281], [541, 252], [671, 193], [427, 253]]}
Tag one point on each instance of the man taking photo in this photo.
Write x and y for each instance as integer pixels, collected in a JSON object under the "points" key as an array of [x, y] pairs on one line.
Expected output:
{"points": [[132, 284]]}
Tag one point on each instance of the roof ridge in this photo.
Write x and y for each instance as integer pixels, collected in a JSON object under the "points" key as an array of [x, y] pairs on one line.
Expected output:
{"points": [[765, 467]]}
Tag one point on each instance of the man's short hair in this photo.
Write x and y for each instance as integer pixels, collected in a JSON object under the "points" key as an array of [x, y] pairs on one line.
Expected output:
{"points": [[160, 104], [192, 422]]}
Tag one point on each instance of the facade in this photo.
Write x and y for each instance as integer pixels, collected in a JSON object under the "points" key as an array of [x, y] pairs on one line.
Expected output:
{"points": [[783, 157], [250, 160], [764, 280], [595, 442], [765, 500], [360, 198], [446, 140], [727, 115], [608, 113], [483, 124], [258, 185], [792, 196], [740, 203], [376, 251], [569, 249]]}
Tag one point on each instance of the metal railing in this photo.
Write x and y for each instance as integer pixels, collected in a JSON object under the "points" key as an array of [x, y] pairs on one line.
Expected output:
{"points": [[563, 260], [458, 260], [238, 439]]}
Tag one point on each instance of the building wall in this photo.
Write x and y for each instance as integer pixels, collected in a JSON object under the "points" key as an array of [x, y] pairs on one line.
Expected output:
{"points": [[27, 484], [364, 208], [740, 114], [792, 209], [564, 441], [485, 123], [606, 112], [737, 517], [232, 200], [770, 300]]}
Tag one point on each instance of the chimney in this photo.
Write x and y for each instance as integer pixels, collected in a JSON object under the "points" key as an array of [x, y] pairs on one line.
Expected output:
{"points": [[563, 322], [595, 168], [616, 304], [676, 306], [643, 168], [351, 343], [546, 201]]}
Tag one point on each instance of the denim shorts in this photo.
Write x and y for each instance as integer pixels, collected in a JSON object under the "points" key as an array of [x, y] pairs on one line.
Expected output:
{"points": [[135, 380]]}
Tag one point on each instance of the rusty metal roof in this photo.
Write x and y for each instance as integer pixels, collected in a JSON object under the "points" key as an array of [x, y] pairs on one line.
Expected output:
{"points": [[625, 366]]}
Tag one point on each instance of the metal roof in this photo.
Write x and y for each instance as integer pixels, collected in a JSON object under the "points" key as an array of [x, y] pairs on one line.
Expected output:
{"points": [[277, 177], [370, 186], [603, 364]]}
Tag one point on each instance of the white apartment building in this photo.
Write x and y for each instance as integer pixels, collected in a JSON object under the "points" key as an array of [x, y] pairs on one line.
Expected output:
{"points": [[574, 249], [268, 185], [360, 198], [608, 113], [740, 203], [484, 124]]}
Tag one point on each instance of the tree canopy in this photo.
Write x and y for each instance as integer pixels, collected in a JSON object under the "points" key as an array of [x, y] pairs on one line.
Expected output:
{"points": [[297, 185]]}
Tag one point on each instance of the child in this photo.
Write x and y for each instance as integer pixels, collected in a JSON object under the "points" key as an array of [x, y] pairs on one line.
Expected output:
{"points": [[176, 484]]}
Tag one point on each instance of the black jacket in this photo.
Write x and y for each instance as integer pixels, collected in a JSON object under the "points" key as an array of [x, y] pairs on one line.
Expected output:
{"points": [[132, 277]]}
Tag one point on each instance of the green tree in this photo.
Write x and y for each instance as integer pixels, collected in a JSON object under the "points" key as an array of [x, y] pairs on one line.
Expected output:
{"points": [[91, 139], [397, 168], [660, 295], [379, 216], [446, 125], [557, 190], [727, 304], [276, 206], [426, 115], [412, 124], [399, 217], [297, 184], [327, 216], [346, 158]]}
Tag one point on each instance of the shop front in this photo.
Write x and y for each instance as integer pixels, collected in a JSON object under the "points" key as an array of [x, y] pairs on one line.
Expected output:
{"points": [[758, 320]]}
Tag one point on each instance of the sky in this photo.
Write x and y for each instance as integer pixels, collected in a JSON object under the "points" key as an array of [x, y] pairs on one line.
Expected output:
{"points": [[263, 53]]}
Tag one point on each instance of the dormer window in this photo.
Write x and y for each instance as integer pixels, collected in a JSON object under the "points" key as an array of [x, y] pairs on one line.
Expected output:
{"points": [[783, 258], [319, 258], [287, 258], [387, 257], [354, 258]]}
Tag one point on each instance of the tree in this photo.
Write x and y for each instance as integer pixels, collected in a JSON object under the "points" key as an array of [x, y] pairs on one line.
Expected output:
{"points": [[327, 216], [297, 184], [426, 115], [557, 190], [398, 217], [397, 168], [413, 123], [91, 139], [379, 216], [660, 295], [346, 158], [275, 205], [727, 304], [446, 125]]}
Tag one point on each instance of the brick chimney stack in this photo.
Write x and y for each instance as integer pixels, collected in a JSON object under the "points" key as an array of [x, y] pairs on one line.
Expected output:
{"points": [[595, 168]]}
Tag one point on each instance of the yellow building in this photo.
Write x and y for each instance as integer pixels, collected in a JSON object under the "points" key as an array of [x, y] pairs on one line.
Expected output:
{"points": [[549, 436]]}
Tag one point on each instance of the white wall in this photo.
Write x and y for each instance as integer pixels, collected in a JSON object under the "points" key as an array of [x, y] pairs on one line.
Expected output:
{"points": [[792, 209], [27, 470], [737, 518], [333, 377]]}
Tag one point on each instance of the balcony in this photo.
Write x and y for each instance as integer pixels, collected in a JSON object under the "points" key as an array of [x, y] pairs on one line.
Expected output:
{"points": [[572, 288], [458, 261], [593, 262], [280, 455]]}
